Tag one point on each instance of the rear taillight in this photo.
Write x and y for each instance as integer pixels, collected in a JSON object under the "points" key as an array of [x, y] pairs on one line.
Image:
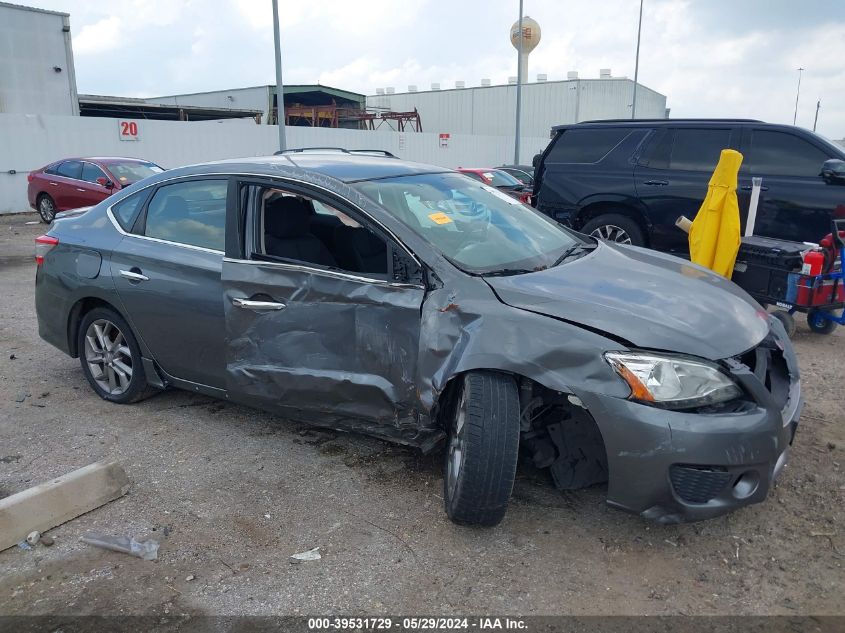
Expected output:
{"points": [[29, 177], [43, 245]]}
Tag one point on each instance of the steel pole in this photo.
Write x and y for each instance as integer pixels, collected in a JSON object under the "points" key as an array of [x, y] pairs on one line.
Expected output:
{"points": [[637, 64], [816, 120], [280, 93], [518, 89], [797, 93]]}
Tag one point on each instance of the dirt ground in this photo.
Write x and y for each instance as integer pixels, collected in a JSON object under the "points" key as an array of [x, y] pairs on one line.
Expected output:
{"points": [[233, 492]]}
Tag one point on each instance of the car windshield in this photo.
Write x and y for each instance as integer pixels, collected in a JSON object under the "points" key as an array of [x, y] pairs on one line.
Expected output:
{"points": [[499, 178], [128, 172], [477, 227]]}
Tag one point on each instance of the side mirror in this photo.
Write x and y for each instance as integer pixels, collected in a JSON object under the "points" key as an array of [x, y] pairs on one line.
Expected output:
{"points": [[105, 182], [833, 171]]}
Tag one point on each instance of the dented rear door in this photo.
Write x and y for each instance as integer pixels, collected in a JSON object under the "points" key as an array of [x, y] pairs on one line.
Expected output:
{"points": [[321, 345]]}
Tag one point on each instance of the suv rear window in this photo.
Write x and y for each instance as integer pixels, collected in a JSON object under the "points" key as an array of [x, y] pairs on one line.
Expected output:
{"points": [[588, 145], [690, 149]]}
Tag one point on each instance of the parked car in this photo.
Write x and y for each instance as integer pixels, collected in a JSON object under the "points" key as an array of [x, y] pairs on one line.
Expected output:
{"points": [[628, 181], [406, 301], [501, 180], [81, 182], [523, 173]]}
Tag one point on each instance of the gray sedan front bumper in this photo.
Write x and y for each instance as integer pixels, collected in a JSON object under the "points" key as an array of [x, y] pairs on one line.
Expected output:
{"points": [[679, 466]]}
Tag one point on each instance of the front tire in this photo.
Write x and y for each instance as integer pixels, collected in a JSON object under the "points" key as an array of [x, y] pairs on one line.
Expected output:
{"points": [[613, 227], [110, 357], [819, 324], [483, 448], [46, 208]]}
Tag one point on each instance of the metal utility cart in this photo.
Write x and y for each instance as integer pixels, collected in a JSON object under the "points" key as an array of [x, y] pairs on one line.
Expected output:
{"points": [[773, 272]]}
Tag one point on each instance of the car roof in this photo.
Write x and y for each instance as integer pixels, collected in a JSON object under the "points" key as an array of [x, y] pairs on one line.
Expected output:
{"points": [[655, 122], [344, 167], [479, 170], [102, 159]]}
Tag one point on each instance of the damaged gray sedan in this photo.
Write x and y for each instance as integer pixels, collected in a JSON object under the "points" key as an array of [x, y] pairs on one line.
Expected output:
{"points": [[406, 301]]}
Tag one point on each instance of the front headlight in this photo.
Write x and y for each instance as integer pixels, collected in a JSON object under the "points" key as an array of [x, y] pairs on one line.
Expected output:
{"points": [[672, 382]]}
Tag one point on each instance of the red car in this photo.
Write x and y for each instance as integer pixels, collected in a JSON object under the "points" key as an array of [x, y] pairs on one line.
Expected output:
{"points": [[501, 180], [82, 182]]}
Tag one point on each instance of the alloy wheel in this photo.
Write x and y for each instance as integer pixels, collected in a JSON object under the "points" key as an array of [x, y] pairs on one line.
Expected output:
{"points": [[108, 356], [46, 209], [457, 445], [611, 233]]}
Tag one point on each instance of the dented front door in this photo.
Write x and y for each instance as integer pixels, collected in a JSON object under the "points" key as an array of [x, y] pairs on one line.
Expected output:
{"points": [[320, 345]]}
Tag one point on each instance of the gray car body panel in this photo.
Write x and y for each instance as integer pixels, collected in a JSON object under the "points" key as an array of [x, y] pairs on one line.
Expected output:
{"points": [[375, 356]]}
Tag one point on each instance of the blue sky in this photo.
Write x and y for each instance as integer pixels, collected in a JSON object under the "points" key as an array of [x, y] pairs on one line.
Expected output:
{"points": [[710, 57]]}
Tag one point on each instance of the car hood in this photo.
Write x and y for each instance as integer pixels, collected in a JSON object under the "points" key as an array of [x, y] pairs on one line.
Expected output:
{"points": [[648, 299]]}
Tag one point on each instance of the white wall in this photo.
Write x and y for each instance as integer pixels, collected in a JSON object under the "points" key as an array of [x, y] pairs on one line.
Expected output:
{"points": [[255, 98], [28, 142], [32, 43], [489, 110]]}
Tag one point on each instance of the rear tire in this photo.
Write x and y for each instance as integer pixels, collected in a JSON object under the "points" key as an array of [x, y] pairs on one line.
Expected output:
{"points": [[110, 357], [613, 227], [787, 320], [46, 208], [819, 324], [483, 448]]}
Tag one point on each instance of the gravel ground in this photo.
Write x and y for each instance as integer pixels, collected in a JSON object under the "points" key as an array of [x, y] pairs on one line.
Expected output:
{"points": [[233, 492]]}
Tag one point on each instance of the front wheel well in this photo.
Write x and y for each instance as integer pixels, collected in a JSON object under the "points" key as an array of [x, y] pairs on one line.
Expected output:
{"points": [[556, 431], [77, 313]]}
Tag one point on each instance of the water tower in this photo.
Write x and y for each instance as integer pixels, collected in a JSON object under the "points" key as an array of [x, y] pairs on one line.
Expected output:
{"points": [[530, 39]]}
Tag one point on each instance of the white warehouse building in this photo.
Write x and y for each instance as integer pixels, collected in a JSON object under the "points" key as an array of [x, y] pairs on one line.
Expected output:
{"points": [[491, 110]]}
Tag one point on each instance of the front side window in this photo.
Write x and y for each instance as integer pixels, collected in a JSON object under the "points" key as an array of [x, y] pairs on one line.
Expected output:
{"points": [[91, 172], [129, 172], [192, 213], [782, 154], [479, 228], [298, 228], [70, 169]]}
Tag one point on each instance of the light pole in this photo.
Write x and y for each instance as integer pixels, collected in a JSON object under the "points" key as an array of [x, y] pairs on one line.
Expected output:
{"points": [[280, 92], [816, 120], [797, 93], [518, 88], [637, 64]]}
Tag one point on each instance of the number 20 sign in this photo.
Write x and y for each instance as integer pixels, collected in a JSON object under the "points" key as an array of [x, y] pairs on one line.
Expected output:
{"points": [[128, 130]]}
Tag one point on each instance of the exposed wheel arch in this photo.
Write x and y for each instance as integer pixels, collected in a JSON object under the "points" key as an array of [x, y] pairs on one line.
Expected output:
{"points": [[573, 429]]}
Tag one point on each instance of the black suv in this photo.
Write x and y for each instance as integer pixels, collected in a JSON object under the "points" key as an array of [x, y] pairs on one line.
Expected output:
{"points": [[628, 181]]}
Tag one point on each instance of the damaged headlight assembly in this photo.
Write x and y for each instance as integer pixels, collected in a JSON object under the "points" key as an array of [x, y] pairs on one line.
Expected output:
{"points": [[672, 382]]}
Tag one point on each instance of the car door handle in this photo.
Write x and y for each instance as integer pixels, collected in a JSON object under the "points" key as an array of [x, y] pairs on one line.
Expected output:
{"points": [[250, 304], [749, 188], [656, 183], [78, 189], [54, 184], [133, 276]]}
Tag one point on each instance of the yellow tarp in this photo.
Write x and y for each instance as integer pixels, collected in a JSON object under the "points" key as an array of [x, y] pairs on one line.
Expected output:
{"points": [[715, 233]]}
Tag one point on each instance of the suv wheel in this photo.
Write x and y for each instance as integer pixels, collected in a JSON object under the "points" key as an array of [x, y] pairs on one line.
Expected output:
{"points": [[617, 228], [46, 208], [483, 449], [111, 358]]}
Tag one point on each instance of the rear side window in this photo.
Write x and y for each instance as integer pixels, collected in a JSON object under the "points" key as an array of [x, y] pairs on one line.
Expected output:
{"points": [[70, 169], [782, 154], [587, 145], [192, 213], [690, 149], [127, 209]]}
